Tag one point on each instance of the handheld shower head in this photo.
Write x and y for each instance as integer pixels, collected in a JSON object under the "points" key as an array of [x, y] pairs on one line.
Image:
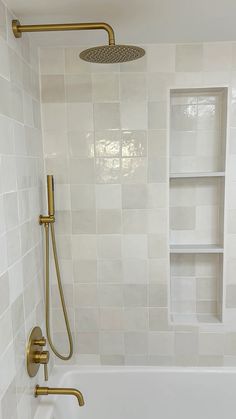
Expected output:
{"points": [[50, 188], [109, 54]]}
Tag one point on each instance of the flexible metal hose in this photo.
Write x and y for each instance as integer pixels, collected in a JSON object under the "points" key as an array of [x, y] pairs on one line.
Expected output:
{"points": [[47, 294]]}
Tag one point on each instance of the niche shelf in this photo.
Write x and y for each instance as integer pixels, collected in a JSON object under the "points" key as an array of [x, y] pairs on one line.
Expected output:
{"points": [[190, 248], [193, 175], [198, 119]]}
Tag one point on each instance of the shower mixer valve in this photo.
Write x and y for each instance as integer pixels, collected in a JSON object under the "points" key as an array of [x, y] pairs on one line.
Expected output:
{"points": [[35, 355]]}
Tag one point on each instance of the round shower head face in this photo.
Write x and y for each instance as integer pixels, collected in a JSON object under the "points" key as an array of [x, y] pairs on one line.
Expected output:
{"points": [[109, 54]]}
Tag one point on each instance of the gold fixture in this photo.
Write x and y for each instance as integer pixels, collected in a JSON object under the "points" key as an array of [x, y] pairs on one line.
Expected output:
{"points": [[111, 53], [48, 220], [45, 391], [35, 355], [18, 28], [51, 207]]}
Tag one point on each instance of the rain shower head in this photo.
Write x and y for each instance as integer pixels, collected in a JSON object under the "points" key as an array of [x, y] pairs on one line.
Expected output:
{"points": [[111, 53]]}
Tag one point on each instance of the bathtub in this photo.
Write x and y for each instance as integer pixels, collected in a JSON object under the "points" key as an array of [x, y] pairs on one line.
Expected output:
{"points": [[142, 393]]}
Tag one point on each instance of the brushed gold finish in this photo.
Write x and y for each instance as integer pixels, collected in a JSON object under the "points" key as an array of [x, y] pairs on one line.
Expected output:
{"points": [[47, 297], [50, 188], [110, 53], [35, 355], [15, 25], [48, 220], [41, 357], [18, 29], [40, 342], [45, 391], [46, 372]]}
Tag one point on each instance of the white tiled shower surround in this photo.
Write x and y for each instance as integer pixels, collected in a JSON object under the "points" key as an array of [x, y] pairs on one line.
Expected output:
{"points": [[105, 136], [21, 164], [105, 140]]}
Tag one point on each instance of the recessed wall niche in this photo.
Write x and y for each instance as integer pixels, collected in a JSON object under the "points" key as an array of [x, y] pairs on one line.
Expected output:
{"points": [[198, 120]]}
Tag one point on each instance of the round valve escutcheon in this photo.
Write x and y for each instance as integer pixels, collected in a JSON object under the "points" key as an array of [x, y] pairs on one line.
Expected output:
{"points": [[35, 355]]}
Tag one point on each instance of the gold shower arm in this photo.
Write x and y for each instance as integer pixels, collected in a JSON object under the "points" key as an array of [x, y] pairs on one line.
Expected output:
{"points": [[18, 28]]}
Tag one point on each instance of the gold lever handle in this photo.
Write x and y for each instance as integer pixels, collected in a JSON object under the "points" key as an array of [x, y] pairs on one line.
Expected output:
{"points": [[40, 342], [46, 372], [41, 357]]}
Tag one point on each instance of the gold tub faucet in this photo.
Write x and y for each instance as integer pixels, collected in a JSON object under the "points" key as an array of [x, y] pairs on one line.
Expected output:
{"points": [[45, 391]]}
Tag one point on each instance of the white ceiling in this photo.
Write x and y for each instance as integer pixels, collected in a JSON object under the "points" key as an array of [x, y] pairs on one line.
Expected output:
{"points": [[138, 21]]}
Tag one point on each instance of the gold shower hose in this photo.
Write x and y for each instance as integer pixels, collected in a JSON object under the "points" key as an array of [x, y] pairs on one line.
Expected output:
{"points": [[47, 294]]}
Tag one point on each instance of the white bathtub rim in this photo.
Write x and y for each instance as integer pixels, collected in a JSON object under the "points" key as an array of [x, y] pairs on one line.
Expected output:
{"points": [[60, 372]]}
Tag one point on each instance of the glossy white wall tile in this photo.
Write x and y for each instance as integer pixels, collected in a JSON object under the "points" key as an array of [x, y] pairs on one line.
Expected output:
{"points": [[20, 203], [109, 155]]}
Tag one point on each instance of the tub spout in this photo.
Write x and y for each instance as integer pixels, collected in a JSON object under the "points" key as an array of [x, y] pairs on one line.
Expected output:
{"points": [[45, 391]]}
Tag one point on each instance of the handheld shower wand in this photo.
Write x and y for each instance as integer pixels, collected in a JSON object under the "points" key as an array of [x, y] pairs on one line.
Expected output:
{"points": [[47, 221], [50, 187]]}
